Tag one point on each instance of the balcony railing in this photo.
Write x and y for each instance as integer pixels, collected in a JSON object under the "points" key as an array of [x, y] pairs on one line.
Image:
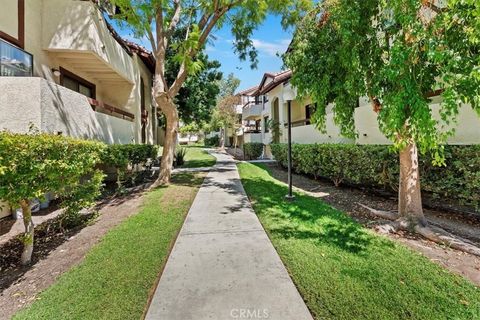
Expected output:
{"points": [[15, 62], [251, 110], [108, 109], [299, 123], [252, 137]]}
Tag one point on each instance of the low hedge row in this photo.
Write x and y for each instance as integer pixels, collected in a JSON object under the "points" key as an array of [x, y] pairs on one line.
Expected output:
{"points": [[212, 141], [252, 150], [124, 155], [378, 166]]}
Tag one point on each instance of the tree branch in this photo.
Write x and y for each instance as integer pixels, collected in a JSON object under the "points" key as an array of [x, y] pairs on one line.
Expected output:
{"points": [[175, 17], [433, 6], [208, 25]]}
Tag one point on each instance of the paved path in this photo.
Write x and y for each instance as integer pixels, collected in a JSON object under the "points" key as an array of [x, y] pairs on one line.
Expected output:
{"points": [[223, 266]]}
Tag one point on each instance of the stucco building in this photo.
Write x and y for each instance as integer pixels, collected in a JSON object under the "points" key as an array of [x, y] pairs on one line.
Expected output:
{"points": [[65, 70], [269, 110]]}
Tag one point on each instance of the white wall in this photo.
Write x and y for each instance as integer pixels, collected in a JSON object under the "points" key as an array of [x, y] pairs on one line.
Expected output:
{"points": [[309, 134], [367, 126], [467, 129]]}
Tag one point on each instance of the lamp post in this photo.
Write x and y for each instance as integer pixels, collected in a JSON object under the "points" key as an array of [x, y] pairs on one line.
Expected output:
{"points": [[289, 95]]}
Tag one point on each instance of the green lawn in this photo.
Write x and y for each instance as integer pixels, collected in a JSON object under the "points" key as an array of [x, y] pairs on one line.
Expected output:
{"points": [[116, 277], [345, 271], [198, 157]]}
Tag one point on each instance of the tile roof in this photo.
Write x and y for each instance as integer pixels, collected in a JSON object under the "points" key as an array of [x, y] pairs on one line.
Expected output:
{"points": [[247, 92], [277, 78]]}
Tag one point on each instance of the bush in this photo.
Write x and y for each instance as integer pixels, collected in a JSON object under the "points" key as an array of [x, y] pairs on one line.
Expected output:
{"points": [[377, 166], [126, 159], [212, 141], [32, 165], [252, 150], [180, 156], [120, 155]]}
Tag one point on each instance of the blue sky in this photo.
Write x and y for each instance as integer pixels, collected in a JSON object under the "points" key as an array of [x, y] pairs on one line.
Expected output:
{"points": [[269, 39]]}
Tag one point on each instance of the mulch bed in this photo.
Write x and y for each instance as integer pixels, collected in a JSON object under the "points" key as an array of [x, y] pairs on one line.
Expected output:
{"points": [[54, 232]]}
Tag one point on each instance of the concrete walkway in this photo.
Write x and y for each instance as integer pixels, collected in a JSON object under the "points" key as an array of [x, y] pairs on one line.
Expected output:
{"points": [[223, 266]]}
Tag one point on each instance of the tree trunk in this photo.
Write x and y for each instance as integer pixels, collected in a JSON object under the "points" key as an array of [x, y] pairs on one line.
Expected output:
{"points": [[169, 109], [222, 138], [26, 257], [409, 196]]}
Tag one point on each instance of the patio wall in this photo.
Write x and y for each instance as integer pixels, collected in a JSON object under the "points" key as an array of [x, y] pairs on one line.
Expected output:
{"points": [[55, 109]]}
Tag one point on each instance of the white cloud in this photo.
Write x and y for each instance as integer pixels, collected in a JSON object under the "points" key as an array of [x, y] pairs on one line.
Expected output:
{"points": [[271, 48], [210, 48]]}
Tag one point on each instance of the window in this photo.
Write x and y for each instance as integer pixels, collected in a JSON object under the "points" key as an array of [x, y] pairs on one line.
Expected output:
{"points": [[309, 111], [257, 100], [143, 111], [73, 82], [265, 123], [14, 62], [265, 99], [258, 125]]}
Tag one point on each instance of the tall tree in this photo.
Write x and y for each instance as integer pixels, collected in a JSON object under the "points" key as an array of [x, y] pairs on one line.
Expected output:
{"points": [[159, 19], [198, 95], [398, 54], [225, 116], [228, 86]]}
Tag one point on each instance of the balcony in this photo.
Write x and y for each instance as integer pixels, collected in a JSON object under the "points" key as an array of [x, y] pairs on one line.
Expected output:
{"points": [[252, 111], [52, 108], [14, 62], [249, 137], [81, 39]]}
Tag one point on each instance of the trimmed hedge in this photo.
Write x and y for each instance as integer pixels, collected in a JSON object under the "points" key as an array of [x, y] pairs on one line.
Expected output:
{"points": [[32, 165], [212, 141], [123, 155], [252, 150], [378, 166]]}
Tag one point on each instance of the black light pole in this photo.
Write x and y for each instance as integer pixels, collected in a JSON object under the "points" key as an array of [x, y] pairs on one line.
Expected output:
{"points": [[289, 196]]}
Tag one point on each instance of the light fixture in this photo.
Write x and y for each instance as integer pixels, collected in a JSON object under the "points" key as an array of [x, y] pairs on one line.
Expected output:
{"points": [[289, 95], [56, 72]]}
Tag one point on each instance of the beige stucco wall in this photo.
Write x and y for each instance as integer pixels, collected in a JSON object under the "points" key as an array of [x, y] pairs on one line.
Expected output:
{"points": [[55, 109], [9, 17], [62, 33], [79, 27], [467, 128]]}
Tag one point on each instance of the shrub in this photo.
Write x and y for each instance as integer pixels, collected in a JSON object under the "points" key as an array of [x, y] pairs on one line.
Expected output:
{"points": [[252, 150], [34, 164], [180, 156], [212, 141], [127, 158], [377, 166]]}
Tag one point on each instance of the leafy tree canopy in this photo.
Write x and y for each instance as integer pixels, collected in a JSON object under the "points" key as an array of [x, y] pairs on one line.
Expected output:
{"points": [[159, 20], [228, 86], [198, 95], [397, 53]]}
